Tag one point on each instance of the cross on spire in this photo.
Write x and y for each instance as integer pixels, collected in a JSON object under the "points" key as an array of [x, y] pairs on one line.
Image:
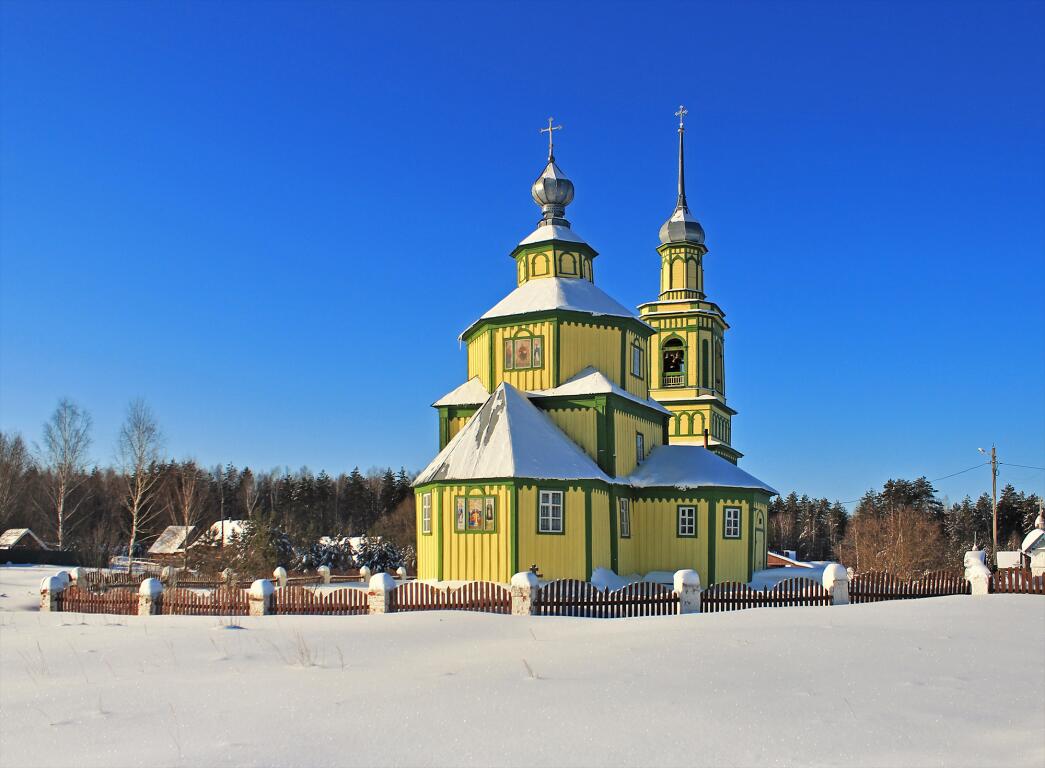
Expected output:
{"points": [[681, 115], [550, 131], [681, 204]]}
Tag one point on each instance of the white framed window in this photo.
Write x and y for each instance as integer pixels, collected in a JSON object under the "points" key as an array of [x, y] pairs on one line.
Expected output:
{"points": [[687, 521], [550, 517], [731, 523], [624, 518], [640, 447], [426, 513], [637, 358]]}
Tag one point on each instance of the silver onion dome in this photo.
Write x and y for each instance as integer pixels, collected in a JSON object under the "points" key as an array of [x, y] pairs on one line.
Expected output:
{"points": [[553, 192], [682, 226]]}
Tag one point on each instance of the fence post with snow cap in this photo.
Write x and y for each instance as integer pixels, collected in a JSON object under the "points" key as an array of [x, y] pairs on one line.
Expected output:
{"points": [[379, 593], [324, 573], [524, 593], [401, 573], [77, 575], [365, 573], [50, 588], [149, 595], [280, 576], [836, 581], [687, 588], [977, 574], [259, 599]]}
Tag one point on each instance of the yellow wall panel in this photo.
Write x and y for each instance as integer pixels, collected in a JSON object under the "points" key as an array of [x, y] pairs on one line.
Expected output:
{"points": [[580, 425], [625, 427], [454, 425], [532, 378], [479, 358], [480, 556], [584, 345], [600, 529], [731, 555], [427, 544], [558, 556]]}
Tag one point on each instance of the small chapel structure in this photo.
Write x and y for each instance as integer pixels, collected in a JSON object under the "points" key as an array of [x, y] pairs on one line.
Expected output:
{"points": [[587, 436]]}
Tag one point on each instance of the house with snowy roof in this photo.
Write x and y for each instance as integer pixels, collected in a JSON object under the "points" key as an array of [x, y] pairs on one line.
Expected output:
{"points": [[586, 436]]}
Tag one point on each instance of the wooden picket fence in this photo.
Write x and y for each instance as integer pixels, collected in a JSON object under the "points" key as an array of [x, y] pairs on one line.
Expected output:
{"points": [[875, 586], [734, 596], [117, 601], [335, 602], [96, 580], [570, 597], [484, 596], [1017, 581], [223, 601]]}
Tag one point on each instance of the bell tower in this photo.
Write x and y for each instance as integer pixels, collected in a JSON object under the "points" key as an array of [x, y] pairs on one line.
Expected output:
{"points": [[687, 356]]}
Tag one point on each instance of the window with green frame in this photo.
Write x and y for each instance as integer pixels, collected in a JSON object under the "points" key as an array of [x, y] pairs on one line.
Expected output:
{"points": [[523, 353], [640, 447], [624, 518], [687, 521], [551, 513], [731, 523], [475, 514], [426, 513], [638, 356]]}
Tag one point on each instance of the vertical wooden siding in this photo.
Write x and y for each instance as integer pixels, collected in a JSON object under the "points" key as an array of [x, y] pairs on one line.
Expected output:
{"points": [[584, 345], [581, 426], [625, 427], [600, 529], [558, 556], [476, 556], [655, 544], [427, 544]]}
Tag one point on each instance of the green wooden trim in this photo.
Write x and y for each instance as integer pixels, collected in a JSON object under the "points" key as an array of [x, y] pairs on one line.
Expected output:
{"points": [[712, 537], [490, 365], [444, 428], [618, 322], [513, 501], [613, 531], [557, 354], [537, 512], [611, 438], [439, 535], [587, 533], [696, 522], [624, 360]]}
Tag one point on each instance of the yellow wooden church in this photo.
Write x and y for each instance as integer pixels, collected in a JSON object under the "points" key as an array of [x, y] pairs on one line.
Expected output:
{"points": [[586, 436]]}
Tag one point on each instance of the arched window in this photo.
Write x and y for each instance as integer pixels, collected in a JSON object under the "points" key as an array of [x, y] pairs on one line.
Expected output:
{"points": [[673, 366]]}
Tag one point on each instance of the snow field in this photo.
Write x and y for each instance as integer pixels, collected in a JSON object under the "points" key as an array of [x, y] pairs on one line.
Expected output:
{"points": [[948, 681]]}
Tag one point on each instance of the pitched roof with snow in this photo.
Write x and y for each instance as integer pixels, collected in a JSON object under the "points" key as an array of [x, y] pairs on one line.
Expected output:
{"points": [[690, 467], [592, 381], [569, 294], [14, 537], [231, 527], [510, 437], [1033, 540], [172, 540], [546, 232], [472, 392]]}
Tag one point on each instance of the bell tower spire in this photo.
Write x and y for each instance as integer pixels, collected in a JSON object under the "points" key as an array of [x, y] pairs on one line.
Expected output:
{"points": [[681, 115]]}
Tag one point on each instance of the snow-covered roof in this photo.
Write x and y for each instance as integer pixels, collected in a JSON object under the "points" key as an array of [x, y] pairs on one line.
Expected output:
{"points": [[172, 540], [472, 392], [510, 437], [691, 467], [592, 381], [1033, 540], [571, 294], [551, 232], [232, 528], [12, 537]]}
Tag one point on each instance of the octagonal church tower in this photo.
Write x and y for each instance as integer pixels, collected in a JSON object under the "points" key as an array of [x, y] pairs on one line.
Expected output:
{"points": [[552, 452]]}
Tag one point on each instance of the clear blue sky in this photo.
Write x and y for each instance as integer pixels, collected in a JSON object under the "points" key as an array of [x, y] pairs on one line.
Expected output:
{"points": [[272, 220]]}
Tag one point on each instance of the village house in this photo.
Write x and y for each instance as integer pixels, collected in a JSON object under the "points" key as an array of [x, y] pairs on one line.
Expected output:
{"points": [[585, 436]]}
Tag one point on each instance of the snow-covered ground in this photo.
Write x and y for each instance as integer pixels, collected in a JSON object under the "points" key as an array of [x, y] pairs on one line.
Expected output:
{"points": [[954, 681]]}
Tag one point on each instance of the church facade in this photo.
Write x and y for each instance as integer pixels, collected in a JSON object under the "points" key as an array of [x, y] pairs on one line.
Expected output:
{"points": [[588, 437]]}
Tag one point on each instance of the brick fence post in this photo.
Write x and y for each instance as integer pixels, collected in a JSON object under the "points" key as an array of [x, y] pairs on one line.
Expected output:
{"points": [[259, 599], [50, 588], [524, 593], [687, 587], [836, 581], [379, 594], [149, 594]]}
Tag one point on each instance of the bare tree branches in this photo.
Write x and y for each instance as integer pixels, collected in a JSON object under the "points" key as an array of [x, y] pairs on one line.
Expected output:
{"points": [[138, 452], [15, 462], [187, 491], [67, 438]]}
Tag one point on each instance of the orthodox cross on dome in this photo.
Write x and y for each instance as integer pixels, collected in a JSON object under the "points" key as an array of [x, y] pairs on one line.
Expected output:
{"points": [[681, 204], [550, 131]]}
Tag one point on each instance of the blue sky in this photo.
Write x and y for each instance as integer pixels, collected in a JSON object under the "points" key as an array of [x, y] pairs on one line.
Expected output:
{"points": [[272, 220]]}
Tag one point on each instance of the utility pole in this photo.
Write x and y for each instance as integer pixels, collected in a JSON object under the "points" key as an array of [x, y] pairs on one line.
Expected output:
{"points": [[994, 495]]}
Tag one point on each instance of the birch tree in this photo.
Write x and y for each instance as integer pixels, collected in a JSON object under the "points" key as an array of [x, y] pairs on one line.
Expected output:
{"points": [[188, 488], [138, 451], [66, 440]]}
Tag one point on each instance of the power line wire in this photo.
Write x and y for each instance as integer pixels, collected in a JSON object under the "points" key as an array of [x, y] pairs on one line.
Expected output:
{"points": [[953, 474], [1021, 466]]}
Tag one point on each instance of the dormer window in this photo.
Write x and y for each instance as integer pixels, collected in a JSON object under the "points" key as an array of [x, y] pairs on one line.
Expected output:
{"points": [[637, 357]]}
